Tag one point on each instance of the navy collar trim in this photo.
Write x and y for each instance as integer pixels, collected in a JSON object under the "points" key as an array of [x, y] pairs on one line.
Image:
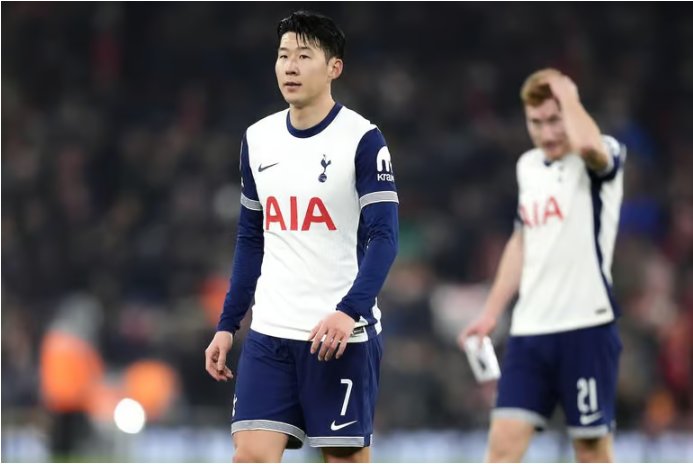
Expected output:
{"points": [[316, 129]]}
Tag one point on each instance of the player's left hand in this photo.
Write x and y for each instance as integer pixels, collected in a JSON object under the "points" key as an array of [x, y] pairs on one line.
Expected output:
{"points": [[336, 329]]}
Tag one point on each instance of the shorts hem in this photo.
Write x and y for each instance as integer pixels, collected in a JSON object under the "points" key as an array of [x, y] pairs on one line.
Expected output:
{"points": [[338, 442], [526, 415], [596, 431], [270, 425]]}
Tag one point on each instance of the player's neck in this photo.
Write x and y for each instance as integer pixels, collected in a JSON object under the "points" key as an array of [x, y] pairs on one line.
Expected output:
{"points": [[310, 115]]}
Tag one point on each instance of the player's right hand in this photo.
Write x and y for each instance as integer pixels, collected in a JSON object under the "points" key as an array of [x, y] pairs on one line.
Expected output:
{"points": [[215, 356], [561, 86], [481, 326]]}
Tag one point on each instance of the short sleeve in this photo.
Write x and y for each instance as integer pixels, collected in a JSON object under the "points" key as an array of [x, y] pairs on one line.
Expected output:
{"points": [[616, 152], [249, 197], [375, 177]]}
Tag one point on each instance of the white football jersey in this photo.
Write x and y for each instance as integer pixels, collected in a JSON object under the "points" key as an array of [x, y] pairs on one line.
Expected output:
{"points": [[569, 218], [311, 186]]}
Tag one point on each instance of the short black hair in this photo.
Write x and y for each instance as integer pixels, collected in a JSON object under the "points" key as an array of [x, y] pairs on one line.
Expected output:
{"points": [[315, 28]]}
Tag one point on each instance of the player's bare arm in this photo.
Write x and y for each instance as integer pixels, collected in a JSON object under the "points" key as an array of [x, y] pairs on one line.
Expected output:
{"points": [[336, 330], [215, 356], [583, 133], [505, 285]]}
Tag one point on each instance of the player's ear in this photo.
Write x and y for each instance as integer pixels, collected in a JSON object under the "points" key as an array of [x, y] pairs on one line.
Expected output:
{"points": [[334, 67]]}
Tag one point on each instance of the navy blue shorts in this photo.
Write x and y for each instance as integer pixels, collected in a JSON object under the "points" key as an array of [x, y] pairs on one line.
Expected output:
{"points": [[577, 369], [281, 387]]}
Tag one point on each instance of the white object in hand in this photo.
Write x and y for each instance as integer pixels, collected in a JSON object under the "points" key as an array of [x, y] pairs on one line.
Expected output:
{"points": [[482, 358]]}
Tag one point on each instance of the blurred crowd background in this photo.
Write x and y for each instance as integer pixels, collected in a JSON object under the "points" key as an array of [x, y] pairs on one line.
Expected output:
{"points": [[121, 125]]}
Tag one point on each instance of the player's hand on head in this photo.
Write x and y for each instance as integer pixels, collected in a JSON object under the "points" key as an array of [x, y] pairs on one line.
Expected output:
{"points": [[330, 335], [481, 327], [215, 356], [561, 85]]}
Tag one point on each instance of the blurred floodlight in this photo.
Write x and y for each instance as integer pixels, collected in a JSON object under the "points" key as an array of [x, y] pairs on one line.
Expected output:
{"points": [[129, 416]]}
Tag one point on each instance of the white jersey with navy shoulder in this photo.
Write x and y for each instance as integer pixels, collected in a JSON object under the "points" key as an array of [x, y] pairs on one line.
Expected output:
{"points": [[569, 217], [311, 186]]}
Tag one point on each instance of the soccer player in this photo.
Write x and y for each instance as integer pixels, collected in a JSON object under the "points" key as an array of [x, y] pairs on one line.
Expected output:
{"points": [[564, 345], [317, 234]]}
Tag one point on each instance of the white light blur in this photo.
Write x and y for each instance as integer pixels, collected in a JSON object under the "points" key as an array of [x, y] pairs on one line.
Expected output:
{"points": [[129, 416]]}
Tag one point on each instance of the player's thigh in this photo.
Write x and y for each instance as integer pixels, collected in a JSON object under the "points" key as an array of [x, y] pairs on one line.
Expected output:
{"points": [[594, 449], [508, 439], [266, 395], [527, 387], [259, 446], [589, 375], [346, 454], [338, 396]]}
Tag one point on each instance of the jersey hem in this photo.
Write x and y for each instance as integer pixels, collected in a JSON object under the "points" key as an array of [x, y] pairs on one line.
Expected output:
{"points": [[302, 335], [543, 329]]}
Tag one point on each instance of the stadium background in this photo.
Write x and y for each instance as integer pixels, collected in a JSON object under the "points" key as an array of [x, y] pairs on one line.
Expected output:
{"points": [[120, 131]]}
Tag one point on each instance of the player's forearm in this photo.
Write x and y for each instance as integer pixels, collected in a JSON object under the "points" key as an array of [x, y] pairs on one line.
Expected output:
{"points": [[583, 134], [247, 262], [507, 281], [382, 223]]}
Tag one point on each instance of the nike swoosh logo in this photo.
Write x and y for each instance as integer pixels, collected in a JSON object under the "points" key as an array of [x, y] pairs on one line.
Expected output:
{"points": [[334, 427], [262, 168], [587, 419]]}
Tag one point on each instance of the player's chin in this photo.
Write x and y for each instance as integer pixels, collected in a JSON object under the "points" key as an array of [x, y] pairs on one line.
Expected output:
{"points": [[293, 99], [554, 151]]}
